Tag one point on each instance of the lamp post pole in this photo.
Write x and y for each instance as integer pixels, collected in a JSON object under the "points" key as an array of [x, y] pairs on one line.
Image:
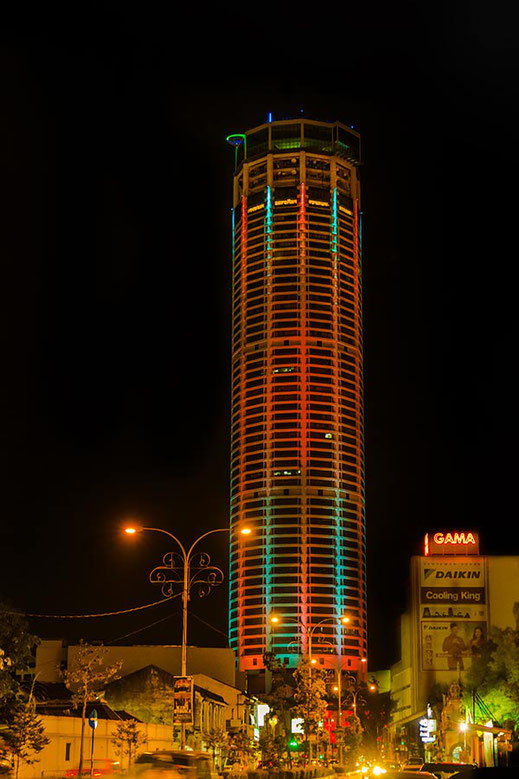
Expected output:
{"points": [[338, 728], [309, 631], [178, 569]]}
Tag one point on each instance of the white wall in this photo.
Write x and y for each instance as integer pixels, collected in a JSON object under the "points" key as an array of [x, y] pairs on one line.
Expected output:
{"points": [[67, 730]]}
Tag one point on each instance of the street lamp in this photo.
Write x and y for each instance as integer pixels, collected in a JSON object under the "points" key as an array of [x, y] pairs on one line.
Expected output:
{"points": [[189, 570], [353, 692], [309, 631], [463, 727]]}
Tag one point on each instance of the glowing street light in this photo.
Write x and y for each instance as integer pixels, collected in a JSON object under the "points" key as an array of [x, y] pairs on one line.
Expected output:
{"points": [[463, 727], [189, 570]]}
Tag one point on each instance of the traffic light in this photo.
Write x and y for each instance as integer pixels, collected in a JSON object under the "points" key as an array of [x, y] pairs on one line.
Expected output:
{"points": [[293, 743]]}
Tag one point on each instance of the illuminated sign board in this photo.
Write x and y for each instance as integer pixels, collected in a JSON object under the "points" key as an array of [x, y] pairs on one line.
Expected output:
{"points": [[261, 710], [297, 725], [428, 730], [454, 542]]}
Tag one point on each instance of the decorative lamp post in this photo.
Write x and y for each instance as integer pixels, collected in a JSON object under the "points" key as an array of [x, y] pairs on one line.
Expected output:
{"points": [[189, 569]]}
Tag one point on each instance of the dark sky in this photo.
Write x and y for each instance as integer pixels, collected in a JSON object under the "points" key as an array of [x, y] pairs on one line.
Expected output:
{"points": [[115, 308]]}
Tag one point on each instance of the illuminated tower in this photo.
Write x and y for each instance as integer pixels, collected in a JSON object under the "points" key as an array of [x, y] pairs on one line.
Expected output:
{"points": [[297, 458]]}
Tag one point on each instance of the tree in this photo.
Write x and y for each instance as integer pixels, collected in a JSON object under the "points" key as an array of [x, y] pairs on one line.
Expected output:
{"points": [[281, 696], [352, 741], [493, 677], [16, 645], [85, 677], [127, 739], [216, 740], [309, 697], [272, 748], [240, 744], [25, 736]]}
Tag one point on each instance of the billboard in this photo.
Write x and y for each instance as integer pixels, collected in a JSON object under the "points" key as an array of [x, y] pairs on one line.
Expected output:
{"points": [[451, 646], [453, 589], [453, 612], [183, 700]]}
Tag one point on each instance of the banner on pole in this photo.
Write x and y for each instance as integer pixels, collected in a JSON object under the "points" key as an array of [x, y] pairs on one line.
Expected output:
{"points": [[183, 700]]}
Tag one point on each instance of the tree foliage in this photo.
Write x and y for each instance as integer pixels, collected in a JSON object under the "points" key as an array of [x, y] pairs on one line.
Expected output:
{"points": [[216, 740], [88, 674], [240, 745], [281, 696], [494, 676], [127, 739], [16, 646], [25, 737], [272, 748], [309, 696], [352, 742]]}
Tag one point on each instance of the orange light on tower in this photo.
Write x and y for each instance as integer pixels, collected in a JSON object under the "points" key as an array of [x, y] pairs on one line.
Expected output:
{"points": [[297, 468]]}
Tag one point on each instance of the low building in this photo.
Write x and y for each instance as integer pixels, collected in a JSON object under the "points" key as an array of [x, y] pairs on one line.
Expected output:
{"points": [[148, 694], [456, 597], [145, 686], [217, 662], [62, 723]]}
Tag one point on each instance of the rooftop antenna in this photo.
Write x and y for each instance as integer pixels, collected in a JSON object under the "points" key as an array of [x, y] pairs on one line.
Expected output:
{"points": [[236, 140]]}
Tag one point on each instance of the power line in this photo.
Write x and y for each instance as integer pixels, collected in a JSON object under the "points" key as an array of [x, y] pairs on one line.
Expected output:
{"points": [[208, 624], [91, 616], [139, 630]]}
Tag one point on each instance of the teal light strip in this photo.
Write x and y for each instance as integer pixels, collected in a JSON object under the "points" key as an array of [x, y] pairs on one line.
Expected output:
{"points": [[339, 568], [335, 227]]}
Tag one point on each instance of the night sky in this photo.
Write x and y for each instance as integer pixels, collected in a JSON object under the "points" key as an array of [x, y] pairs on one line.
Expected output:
{"points": [[116, 187]]}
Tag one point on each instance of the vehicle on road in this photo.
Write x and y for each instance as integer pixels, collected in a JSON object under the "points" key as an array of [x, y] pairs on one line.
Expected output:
{"points": [[102, 767], [413, 764], [407, 775], [173, 764], [445, 770], [498, 772]]}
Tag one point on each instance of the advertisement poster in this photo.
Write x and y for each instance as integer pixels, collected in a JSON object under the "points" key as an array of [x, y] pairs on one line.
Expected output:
{"points": [[452, 589], [183, 700], [451, 646], [453, 612]]}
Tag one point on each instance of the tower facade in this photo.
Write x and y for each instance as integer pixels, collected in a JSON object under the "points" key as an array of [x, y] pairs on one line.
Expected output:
{"points": [[297, 463]]}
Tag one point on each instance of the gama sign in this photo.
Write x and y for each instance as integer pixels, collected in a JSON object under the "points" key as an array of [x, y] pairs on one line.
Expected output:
{"points": [[453, 542]]}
